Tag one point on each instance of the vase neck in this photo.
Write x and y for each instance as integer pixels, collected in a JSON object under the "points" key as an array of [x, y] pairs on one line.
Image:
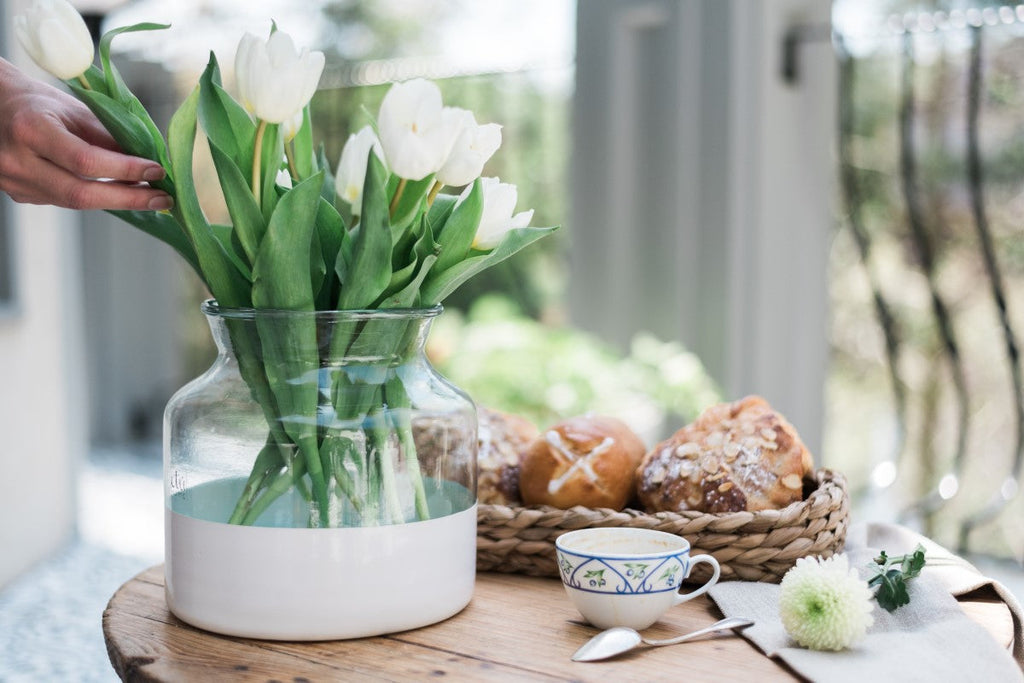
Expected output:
{"points": [[335, 337]]}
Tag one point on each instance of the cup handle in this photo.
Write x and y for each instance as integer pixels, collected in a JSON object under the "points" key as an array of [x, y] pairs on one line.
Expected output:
{"points": [[696, 559]]}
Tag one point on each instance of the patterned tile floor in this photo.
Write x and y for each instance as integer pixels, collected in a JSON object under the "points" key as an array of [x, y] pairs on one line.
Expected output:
{"points": [[50, 619]]}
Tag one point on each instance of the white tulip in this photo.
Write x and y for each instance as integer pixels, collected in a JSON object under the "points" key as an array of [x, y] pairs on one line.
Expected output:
{"points": [[275, 80], [497, 219], [473, 146], [55, 36], [416, 131], [348, 181]]}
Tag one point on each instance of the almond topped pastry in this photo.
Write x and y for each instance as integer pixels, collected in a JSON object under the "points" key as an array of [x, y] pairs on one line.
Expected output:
{"points": [[735, 456]]}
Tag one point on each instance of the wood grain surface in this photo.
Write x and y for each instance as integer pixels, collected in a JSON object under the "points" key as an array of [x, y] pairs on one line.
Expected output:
{"points": [[517, 628]]}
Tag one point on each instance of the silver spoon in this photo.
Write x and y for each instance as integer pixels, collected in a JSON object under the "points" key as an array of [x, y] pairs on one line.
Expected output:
{"points": [[621, 639]]}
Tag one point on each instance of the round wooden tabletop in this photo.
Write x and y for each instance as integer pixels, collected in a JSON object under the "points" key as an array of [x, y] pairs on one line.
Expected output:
{"points": [[517, 628]]}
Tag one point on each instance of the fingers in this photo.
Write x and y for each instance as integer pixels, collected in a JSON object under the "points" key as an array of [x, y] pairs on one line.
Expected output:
{"points": [[61, 188], [74, 154]]}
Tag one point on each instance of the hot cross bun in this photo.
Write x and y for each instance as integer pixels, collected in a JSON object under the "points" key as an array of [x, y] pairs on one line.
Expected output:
{"points": [[588, 460]]}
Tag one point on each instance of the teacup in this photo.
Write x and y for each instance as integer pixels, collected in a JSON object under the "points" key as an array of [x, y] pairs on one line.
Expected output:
{"points": [[625, 576]]}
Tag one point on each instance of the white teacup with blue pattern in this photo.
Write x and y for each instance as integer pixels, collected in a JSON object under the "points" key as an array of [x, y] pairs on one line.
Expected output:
{"points": [[627, 577]]}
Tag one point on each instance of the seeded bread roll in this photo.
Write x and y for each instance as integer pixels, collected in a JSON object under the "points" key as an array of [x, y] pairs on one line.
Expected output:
{"points": [[735, 456], [588, 460], [502, 442]]}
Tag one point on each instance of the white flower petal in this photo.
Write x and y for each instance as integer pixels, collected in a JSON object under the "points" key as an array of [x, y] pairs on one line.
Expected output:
{"points": [[275, 81], [824, 605], [55, 36], [471, 150], [416, 131], [351, 173], [496, 219]]}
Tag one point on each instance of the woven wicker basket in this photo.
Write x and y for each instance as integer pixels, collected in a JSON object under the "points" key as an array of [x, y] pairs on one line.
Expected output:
{"points": [[753, 546]]}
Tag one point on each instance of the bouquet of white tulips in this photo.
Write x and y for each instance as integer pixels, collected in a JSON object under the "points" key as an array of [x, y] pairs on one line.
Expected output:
{"points": [[377, 234]]}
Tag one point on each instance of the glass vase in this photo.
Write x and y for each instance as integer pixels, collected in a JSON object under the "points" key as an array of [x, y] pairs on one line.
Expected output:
{"points": [[319, 479]]}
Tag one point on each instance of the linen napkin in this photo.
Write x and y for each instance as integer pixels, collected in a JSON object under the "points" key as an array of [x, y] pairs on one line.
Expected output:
{"points": [[929, 639]]}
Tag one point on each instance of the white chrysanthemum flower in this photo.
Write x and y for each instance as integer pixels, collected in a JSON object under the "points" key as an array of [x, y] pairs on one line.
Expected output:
{"points": [[824, 605]]}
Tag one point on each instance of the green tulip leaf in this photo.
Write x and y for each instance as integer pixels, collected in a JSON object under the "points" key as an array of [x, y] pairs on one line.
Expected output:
{"points": [[281, 270], [331, 233], [116, 87], [271, 159], [318, 270], [245, 214], [417, 245], [327, 191], [302, 147], [457, 233], [409, 295], [403, 291], [225, 121], [223, 279], [444, 282], [94, 77], [410, 203], [124, 126], [440, 210], [233, 250], [369, 270]]}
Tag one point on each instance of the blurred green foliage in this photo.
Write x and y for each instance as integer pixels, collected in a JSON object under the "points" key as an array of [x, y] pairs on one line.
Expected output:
{"points": [[508, 361]]}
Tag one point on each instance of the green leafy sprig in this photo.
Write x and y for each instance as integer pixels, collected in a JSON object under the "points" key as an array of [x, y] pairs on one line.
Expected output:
{"points": [[890, 576]]}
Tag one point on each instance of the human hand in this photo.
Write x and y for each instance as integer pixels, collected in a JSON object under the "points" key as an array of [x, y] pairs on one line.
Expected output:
{"points": [[53, 150]]}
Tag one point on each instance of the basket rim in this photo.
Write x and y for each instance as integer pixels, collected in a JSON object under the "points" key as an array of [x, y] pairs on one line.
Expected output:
{"points": [[827, 481]]}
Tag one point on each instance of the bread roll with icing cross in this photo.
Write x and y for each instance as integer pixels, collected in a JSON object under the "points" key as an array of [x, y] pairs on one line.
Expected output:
{"points": [[588, 460], [735, 456]]}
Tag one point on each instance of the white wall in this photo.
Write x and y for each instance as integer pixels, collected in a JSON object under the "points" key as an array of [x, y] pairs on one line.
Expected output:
{"points": [[42, 416], [41, 391], [702, 189]]}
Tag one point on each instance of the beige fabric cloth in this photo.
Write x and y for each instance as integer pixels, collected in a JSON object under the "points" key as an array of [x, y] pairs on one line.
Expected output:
{"points": [[929, 639]]}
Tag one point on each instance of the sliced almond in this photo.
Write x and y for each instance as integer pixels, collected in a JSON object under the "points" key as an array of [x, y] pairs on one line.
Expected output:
{"points": [[687, 450], [658, 476], [710, 466], [793, 481], [727, 486], [714, 439], [769, 433], [731, 450]]}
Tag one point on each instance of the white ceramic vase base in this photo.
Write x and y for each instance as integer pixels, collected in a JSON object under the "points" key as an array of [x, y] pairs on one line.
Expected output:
{"points": [[318, 584]]}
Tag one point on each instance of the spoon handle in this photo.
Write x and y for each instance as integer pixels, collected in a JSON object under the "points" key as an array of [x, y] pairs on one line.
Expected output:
{"points": [[723, 625]]}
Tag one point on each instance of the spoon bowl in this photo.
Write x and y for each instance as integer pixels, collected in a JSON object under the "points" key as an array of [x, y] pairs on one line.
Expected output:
{"points": [[615, 641]]}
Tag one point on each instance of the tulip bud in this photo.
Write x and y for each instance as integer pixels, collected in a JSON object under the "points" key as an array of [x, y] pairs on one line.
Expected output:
{"points": [[348, 181], [473, 147], [416, 131], [499, 201], [274, 80], [55, 36]]}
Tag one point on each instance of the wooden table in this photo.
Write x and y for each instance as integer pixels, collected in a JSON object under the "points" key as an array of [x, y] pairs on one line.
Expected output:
{"points": [[517, 628]]}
